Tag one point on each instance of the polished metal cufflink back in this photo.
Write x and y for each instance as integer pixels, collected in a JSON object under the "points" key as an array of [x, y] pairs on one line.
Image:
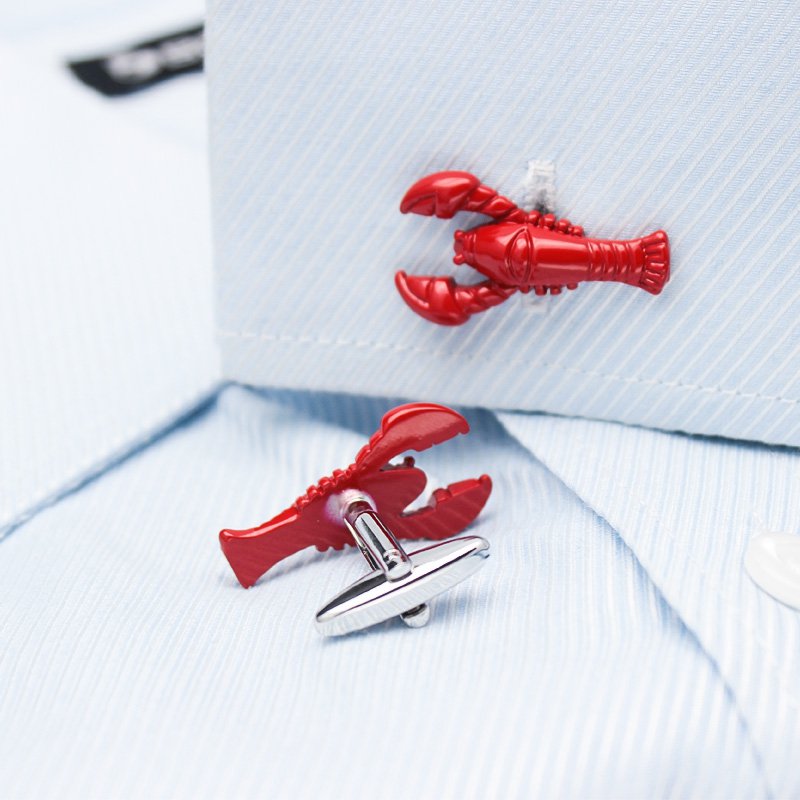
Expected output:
{"points": [[365, 504], [399, 584]]}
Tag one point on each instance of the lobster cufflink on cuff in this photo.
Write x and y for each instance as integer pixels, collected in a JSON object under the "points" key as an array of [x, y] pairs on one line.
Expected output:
{"points": [[365, 504], [518, 251]]}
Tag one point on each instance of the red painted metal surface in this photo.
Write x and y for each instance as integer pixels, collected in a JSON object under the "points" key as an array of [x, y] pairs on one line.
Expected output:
{"points": [[519, 251], [313, 519]]}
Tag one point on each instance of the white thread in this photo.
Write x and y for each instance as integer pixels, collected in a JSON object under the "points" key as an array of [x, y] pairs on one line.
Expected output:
{"points": [[539, 192], [540, 186]]}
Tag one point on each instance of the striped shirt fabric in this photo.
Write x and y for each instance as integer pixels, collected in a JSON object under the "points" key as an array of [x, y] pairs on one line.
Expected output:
{"points": [[573, 665]]}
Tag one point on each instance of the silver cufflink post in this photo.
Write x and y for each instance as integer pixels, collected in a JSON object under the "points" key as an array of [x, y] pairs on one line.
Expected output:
{"points": [[399, 584]]}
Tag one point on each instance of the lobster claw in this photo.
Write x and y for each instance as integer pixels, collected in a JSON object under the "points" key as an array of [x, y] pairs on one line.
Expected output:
{"points": [[446, 302], [442, 194], [413, 426]]}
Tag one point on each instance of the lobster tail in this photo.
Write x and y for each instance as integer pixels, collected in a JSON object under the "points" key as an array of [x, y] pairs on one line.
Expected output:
{"points": [[640, 262], [655, 270]]}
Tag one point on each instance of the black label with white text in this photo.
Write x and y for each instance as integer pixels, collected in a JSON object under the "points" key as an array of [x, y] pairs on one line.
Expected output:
{"points": [[143, 65]]}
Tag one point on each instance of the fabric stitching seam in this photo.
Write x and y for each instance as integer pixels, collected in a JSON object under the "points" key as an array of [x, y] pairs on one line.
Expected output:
{"points": [[279, 338]]}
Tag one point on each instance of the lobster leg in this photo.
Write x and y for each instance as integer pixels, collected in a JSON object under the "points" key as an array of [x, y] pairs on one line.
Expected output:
{"points": [[446, 302]]}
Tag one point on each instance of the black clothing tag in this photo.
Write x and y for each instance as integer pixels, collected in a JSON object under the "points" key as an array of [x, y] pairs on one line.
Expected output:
{"points": [[143, 65]]}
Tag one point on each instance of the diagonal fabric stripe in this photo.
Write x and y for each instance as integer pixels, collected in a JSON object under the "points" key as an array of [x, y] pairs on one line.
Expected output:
{"points": [[682, 116], [687, 506]]}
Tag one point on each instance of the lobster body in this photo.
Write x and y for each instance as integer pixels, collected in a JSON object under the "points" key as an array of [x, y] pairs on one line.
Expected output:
{"points": [[526, 256], [519, 251]]}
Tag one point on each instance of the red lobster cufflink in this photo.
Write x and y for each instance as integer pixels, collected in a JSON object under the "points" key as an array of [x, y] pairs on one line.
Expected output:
{"points": [[518, 251], [344, 509]]}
